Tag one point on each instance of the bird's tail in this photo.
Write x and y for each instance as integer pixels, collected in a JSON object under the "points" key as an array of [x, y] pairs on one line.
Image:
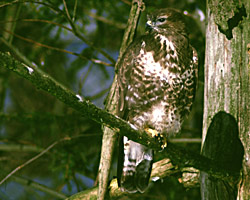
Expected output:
{"points": [[134, 166]]}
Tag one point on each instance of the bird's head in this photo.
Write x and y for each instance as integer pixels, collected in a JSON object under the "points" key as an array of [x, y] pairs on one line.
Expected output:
{"points": [[166, 21]]}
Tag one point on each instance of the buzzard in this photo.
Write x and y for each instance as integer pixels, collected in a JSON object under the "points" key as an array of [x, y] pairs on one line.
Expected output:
{"points": [[156, 83]]}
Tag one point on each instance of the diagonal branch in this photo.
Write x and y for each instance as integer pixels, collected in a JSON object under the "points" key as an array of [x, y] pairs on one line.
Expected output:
{"points": [[160, 170], [38, 186], [96, 61], [31, 160], [110, 137], [179, 156], [75, 30]]}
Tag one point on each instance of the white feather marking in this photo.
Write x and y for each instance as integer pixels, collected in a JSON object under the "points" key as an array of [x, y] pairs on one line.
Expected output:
{"points": [[133, 127], [143, 44], [152, 68], [158, 113], [125, 139], [147, 157], [168, 56], [30, 70], [142, 48], [136, 95], [79, 98], [156, 178], [169, 44]]}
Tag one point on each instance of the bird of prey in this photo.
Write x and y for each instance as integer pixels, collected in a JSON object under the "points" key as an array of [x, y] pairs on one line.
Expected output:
{"points": [[156, 85]]}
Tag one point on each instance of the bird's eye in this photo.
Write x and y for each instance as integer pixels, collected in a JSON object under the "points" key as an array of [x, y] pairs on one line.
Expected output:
{"points": [[161, 19]]}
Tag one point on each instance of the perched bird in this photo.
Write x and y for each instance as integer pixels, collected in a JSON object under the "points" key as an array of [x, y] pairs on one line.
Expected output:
{"points": [[157, 82]]}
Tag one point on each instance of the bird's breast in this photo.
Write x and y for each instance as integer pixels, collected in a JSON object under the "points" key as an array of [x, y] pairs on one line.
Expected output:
{"points": [[154, 71]]}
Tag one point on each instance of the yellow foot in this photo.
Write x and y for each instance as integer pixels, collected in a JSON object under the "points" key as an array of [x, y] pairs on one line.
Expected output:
{"points": [[152, 132], [161, 139], [164, 142]]}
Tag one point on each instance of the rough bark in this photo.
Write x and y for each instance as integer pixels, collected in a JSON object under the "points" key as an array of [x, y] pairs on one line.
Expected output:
{"points": [[109, 136], [160, 170], [179, 156], [227, 73]]}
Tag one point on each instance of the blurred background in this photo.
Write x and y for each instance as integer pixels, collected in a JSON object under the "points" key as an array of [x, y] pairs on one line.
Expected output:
{"points": [[78, 50]]}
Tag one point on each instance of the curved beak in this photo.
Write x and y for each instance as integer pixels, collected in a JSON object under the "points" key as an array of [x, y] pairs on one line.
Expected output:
{"points": [[149, 25]]}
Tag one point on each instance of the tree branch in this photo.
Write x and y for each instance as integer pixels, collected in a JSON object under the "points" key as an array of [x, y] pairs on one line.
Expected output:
{"points": [[75, 30], [116, 24], [178, 155], [160, 170], [19, 147], [38, 186], [96, 61], [32, 159], [43, 81], [110, 137]]}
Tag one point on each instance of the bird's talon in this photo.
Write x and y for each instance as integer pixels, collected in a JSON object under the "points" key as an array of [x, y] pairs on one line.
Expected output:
{"points": [[164, 143], [152, 132], [161, 139]]}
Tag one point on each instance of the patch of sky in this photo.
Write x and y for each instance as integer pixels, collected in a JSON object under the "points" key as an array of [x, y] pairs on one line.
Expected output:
{"points": [[2, 132], [11, 190], [3, 195], [7, 104], [15, 190], [44, 181], [92, 23], [97, 81], [100, 77], [82, 180], [7, 101]]}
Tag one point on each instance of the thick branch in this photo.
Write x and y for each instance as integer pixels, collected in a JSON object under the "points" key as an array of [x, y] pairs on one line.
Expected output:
{"points": [[178, 155], [161, 169], [110, 137]]}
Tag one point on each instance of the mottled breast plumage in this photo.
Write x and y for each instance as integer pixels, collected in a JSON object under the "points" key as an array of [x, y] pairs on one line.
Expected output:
{"points": [[157, 79], [161, 87]]}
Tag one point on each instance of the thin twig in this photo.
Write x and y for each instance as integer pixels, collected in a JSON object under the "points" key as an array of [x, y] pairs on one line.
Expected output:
{"points": [[107, 21], [14, 24], [110, 136], [38, 186], [127, 2], [37, 20], [66, 9], [58, 49], [17, 52], [42, 153], [76, 32], [160, 170], [19, 147], [74, 12], [32, 159], [98, 95], [84, 78]]}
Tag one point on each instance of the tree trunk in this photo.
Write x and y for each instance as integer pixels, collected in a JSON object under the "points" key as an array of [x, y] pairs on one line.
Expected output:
{"points": [[227, 76]]}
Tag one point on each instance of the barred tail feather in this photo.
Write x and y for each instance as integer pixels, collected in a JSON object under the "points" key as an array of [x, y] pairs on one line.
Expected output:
{"points": [[134, 166]]}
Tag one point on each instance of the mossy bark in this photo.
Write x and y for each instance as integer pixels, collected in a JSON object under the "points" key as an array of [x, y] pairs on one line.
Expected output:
{"points": [[227, 73]]}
